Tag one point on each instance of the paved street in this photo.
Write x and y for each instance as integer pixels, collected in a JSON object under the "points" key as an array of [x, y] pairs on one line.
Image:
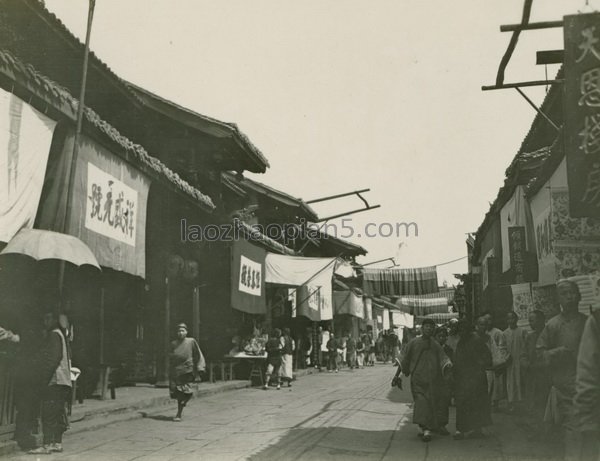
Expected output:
{"points": [[344, 416]]}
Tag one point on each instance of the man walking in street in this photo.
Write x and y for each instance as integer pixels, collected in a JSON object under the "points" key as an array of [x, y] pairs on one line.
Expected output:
{"points": [[332, 353], [500, 357], [424, 361], [537, 379], [515, 342], [274, 350], [351, 352], [559, 344], [453, 337]]}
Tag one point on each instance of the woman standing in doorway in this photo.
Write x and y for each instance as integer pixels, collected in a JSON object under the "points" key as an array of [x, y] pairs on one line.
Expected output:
{"points": [[186, 361]]}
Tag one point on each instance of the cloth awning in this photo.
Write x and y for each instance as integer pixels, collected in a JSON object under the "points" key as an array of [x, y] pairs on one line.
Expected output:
{"points": [[400, 282], [25, 137], [312, 276], [347, 302], [438, 318], [422, 306]]}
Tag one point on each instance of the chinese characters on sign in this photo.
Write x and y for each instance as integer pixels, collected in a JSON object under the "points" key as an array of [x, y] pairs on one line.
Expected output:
{"points": [[582, 109], [111, 206], [516, 245], [250, 276]]}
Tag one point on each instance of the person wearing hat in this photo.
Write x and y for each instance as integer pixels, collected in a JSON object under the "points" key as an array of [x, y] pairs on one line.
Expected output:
{"points": [[424, 361], [186, 361]]}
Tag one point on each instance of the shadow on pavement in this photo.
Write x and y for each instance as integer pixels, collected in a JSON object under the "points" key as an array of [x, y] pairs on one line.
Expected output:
{"points": [[324, 443], [156, 417]]}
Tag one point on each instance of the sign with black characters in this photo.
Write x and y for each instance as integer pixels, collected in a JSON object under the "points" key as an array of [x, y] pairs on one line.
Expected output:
{"points": [[248, 278], [582, 113]]}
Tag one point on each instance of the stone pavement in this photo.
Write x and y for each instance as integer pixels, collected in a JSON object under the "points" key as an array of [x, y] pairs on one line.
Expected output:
{"points": [[342, 416]]}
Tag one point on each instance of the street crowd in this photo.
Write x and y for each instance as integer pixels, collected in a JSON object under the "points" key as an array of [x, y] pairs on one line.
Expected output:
{"points": [[549, 375]]}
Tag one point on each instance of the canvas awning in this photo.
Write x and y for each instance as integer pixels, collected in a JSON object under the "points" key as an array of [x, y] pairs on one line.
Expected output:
{"points": [[400, 282], [312, 276], [422, 306], [347, 302]]}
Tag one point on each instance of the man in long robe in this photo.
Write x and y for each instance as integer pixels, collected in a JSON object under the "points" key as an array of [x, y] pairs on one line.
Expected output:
{"points": [[515, 338], [471, 360], [500, 356], [559, 344], [587, 399], [537, 379], [424, 361]]}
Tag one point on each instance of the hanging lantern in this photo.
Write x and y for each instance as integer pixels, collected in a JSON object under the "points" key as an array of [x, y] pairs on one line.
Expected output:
{"points": [[191, 270], [175, 265]]}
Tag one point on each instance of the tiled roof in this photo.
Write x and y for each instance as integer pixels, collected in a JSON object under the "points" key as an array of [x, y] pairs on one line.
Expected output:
{"points": [[274, 194], [209, 125], [62, 100], [256, 236], [134, 91]]}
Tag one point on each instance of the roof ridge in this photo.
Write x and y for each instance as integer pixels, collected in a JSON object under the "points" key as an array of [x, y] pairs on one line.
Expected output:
{"points": [[28, 71]]}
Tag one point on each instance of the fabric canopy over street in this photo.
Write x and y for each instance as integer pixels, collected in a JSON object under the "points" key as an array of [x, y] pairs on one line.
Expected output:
{"points": [[248, 278], [422, 306], [400, 282], [25, 137], [312, 276], [346, 302], [438, 318]]}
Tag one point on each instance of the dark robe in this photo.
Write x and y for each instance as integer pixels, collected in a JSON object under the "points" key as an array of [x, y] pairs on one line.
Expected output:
{"points": [[424, 360], [471, 359]]}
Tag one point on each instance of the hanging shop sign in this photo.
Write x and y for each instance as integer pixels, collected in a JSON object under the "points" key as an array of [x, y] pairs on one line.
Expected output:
{"points": [[485, 268], [522, 298], [582, 109], [347, 302], [108, 204], [111, 206], [248, 278], [25, 139], [516, 245]]}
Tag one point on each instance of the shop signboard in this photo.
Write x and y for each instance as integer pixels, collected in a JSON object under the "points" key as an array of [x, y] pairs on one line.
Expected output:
{"points": [[542, 223], [582, 112], [248, 278], [516, 244], [111, 206], [108, 204]]}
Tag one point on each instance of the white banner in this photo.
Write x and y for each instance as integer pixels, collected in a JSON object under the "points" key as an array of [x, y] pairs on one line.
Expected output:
{"points": [[111, 206], [25, 138], [250, 276], [522, 302], [485, 269]]}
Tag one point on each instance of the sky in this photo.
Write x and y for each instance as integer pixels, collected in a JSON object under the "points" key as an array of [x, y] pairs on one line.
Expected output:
{"points": [[347, 95]]}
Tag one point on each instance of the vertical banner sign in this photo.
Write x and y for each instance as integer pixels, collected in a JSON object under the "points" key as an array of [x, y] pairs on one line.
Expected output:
{"points": [[516, 245], [248, 278], [25, 138], [582, 113]]}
